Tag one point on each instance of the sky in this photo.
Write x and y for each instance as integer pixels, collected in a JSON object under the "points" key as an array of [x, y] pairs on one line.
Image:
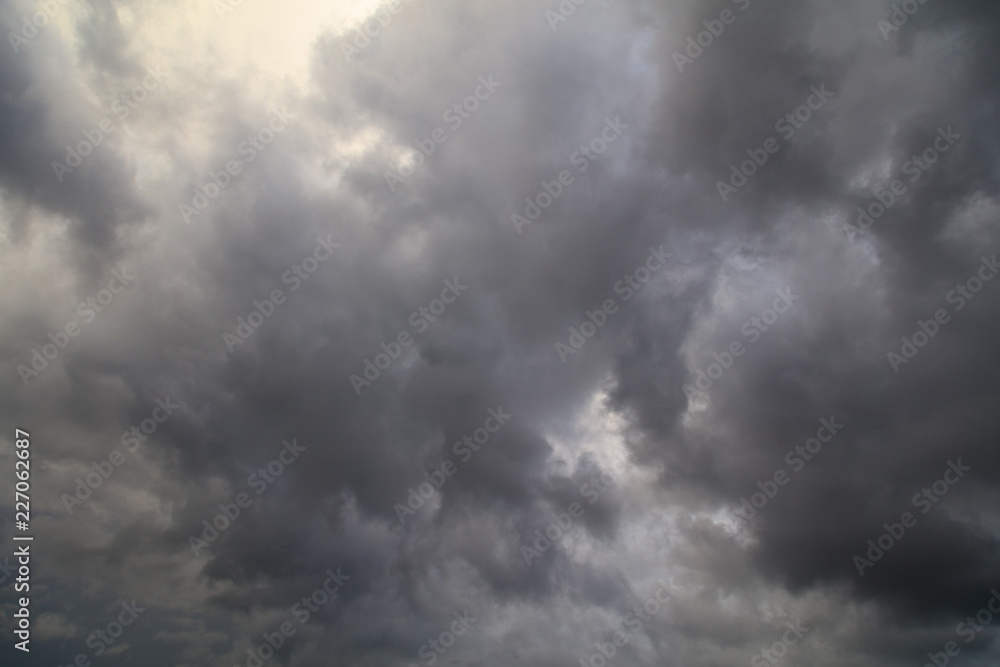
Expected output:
{"points": [[462, 333]]}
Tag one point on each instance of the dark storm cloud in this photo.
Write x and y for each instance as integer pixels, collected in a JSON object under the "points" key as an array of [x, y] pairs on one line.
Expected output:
{"points": [[834, 361], [693, 456]]}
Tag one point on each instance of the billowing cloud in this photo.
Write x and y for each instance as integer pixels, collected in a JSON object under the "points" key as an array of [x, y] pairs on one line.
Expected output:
{"points": [[434, 332]]}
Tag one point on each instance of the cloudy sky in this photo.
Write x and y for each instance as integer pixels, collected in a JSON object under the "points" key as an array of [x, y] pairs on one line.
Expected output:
{"points": [[466, 333]]}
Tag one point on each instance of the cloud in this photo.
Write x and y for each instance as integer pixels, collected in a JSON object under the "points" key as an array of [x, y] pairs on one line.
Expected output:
{"points": [[681, 460]]}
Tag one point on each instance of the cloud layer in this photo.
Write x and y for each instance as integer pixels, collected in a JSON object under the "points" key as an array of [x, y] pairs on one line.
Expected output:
{"points": [[536, 332]]}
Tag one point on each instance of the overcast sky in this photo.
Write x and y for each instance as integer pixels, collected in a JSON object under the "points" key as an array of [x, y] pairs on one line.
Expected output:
{"points": [[467, 333]]}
